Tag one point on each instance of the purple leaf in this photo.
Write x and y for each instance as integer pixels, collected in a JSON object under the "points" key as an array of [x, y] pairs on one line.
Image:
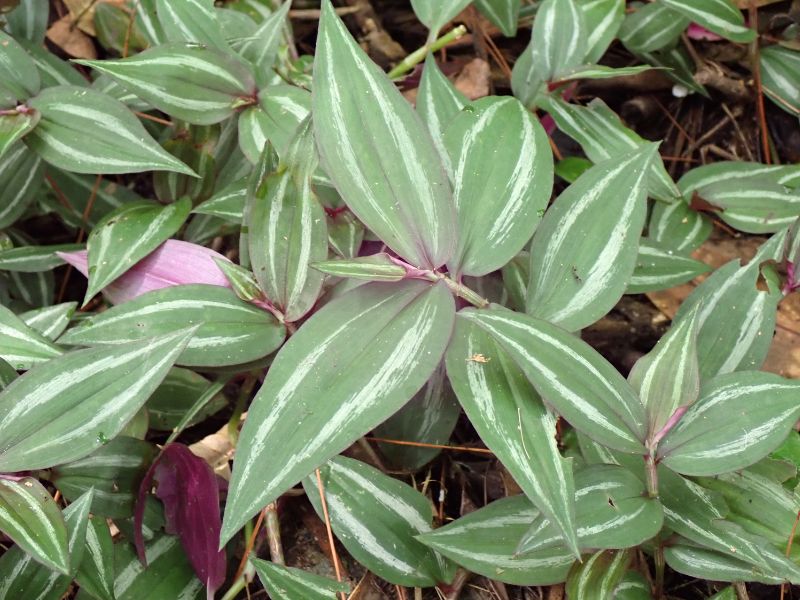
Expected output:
{"points": [[698, 32], [188, 488], [173, 263]]}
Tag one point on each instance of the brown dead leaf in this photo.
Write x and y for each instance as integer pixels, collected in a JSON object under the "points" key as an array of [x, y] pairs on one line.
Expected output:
{"points": [[71, 39], [82, 13], [474, 79], [216, 449]]}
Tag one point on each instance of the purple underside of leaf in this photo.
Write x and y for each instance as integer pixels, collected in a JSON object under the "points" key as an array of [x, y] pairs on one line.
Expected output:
{"points": [[189, 490], [173, 263]]}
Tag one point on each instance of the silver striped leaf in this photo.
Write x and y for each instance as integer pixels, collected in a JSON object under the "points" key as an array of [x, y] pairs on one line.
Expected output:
{"points": [[502, 172], [33, 259], [438, 103], [21, 177], [694, 561], [284, 107], [19, 77], [513, 422], [14, 127], [502, 13], [50, 321], [753, 205], [228, 203], [780, 77], [675, 228], [29, 20], [723, 17], [599, 575], [261, 47], [323, 392], [585, 250], [96, 571], [659, 268], [376, 267], [706, 175], [120, 144], [435, 14], [20, 345], [651, 27], [603, 19], [190, 21], [378, 152], [559, 38], [289, 583], [570, 376], [66, 408]]}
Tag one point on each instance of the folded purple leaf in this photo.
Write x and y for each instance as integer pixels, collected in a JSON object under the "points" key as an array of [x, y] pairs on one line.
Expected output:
{"points": [[173, 263]]}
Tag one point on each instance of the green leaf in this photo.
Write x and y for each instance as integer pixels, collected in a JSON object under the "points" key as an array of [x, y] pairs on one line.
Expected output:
{"points": [[612, 511], [34, 289], [485, 542], [667, 378], [21, 345], [197, 84], [323, 392], [14, 127], [708, 175], [168, 573], [570, 376], [751, 412], [52, 70], [128, 234], [633, 586], [376, 267], [66, 408], [602, 72], [515, 280], [33, 259], [435, 14], [120, 144], [288, 231], [652, 27], [281, 110], [377, 518], [527, 83], [429, 417], [559, 38], [190, 21], [603, 136], [19, 78], [21, 176], [780, 74], [584, 252], [512, 421], [176, 396], [502, 179], [722, 17], [227, 203], [32, 519], [736, 320], [676, 227], [598, 576], [345, 234], [113, 471], [603, 19], [503, 13], [401, 192], [287, 583], [230, 331], [261, 48], [96, 572], [29, 20], [707, 564], [438, 102], [658, 268], [677, 64], [7, 374]]}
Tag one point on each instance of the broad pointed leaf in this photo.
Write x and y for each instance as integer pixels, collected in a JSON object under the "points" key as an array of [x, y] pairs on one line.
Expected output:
{"points": [[513, 422], [598, 575], [284, 107], [584, 252], [720, 16], [652, 27], [19, 77], [29, 20], [502, 171], [659, 268], [570, 376], [780, 73], [66, 408], [21, 176], [21, 345], [32, 259], [96, 572], [14, 127], [703, 563], [435, 14], [677, 227], [378, 152], [50, 321], [323, 391], [603, 19], [376, 267], [288, 583], [261, 48], [190, 21], [503, 13], [438, 102], [559, 38]]}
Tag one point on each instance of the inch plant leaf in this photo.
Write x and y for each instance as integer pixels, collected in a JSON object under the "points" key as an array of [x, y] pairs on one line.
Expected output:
{"points": [[227, 203], [194, 83], [34, 289], [287, 231], [438, 102], [736, 320], [176, 396], [261, 48], [66, 408], [126, 235], [502, 13], [658, 268], [612, 511], [19, 77], [695, 561], [14, 127], [435, 14], [603, 136], [345, 234], [485, 542], [780, 72], [377, 519], [284, 108], [570, 376], [29, 20], [33, 259], [7, 374], [113, 471], [602, 72], [752, 414], [21, 345], [706, 175], [584, 252], [400, 193], [667, 378], [323, 392], [513, 422], [603, 19], [559, 38], [598, 576], [229, 331], [503, 175], [32, 519], [677, 227], [633, 586], [722, 17], [21, 176], [52, 70], [96, 571], [120, 144], [515, 280], [190, 21], [377, 267], [652, 27], [288, 583]]}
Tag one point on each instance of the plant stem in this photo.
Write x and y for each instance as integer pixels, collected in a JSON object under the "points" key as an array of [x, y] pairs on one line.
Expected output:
{"points": [[660, 566], [462, 291], [274, 533], [652, 475], [416, 57]]}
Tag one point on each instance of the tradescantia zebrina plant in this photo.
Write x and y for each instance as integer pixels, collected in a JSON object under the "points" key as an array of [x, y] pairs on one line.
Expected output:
{"points": [[387, 268]]}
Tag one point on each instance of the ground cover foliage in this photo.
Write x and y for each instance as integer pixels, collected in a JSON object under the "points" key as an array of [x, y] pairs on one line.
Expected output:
{"points": [[503, 309]]}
